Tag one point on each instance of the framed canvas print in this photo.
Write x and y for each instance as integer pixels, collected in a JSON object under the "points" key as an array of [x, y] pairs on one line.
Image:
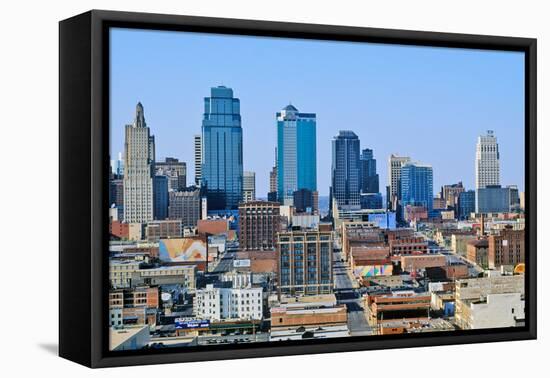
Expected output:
{"points": [[235, 188]]}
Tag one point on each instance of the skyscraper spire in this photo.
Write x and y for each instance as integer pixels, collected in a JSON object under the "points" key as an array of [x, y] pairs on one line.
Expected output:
{"points": [[140, 118], [139, 157]]}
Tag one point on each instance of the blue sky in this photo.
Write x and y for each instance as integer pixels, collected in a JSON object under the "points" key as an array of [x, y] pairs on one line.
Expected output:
{"points": [[424, 102]]}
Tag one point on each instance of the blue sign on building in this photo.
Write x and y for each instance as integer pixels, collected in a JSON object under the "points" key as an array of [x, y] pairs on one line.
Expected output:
{"points": [[191, 324]]}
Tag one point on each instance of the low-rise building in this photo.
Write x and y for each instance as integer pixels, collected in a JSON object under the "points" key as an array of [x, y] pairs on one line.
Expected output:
{"points": [[164, 229], [397, 305], [128, 338], [185, 276], [408, 245], [215, 303], [308, 317], [506, 248], [411, 263], [123, 274], [490, 302], [137, 306], [477, 252], [125, 231], [367, 262], [459, 242]]}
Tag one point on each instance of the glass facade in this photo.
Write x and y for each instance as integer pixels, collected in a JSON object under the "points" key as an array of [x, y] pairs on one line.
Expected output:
{"points": [[369, 177], [371, 201], [417, 185], [346, 185], [160, 197], [492, 199], [466, 203], [222, 141], [296, 153]]}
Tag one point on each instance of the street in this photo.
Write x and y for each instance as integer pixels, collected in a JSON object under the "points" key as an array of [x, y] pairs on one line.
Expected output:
{"points": [[346, 291]]}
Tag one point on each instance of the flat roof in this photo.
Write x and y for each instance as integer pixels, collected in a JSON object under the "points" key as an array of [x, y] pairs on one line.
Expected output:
{"points": [[119, 336]]}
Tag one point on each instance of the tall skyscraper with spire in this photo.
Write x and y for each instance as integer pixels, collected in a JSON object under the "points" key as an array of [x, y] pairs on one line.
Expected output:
{"points": [[296, 153], [346, 184], [222, 154], [139, 158], [487, 161]]}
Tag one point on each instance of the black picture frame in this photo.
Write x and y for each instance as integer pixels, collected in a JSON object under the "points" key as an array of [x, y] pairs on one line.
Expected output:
{"points": [[84, 163]]}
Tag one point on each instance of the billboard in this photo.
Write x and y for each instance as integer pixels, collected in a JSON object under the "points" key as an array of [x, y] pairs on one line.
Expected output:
{"points": [[182, 250], [182, 323]]}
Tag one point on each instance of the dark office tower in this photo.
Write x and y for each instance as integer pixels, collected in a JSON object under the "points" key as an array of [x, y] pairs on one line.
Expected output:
{"points": [[371, 201], [514, 197], [160, 197], [185, 205], [346, 185], [273, 181], [222, 143], [175, 171], [369, 177], [303, 201], [450, 193], [259, 222], [466, 203], [116, 196]]}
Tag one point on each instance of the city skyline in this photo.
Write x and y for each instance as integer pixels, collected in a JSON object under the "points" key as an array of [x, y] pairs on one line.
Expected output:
{"points": [[259, 116], [216, 264]]}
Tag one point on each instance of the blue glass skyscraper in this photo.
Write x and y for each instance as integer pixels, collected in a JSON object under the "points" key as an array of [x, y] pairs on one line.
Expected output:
{"points": [[417, 185], [369, 177], [346, 172], [222, 150], [160, 197], [296, 153], [466, 203]]}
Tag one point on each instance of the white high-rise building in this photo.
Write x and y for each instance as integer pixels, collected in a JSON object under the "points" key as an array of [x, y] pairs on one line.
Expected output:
{"points": [[249, 186], [139, 157], [198, 159], [487, 161], [395, 163], [215, 303]]}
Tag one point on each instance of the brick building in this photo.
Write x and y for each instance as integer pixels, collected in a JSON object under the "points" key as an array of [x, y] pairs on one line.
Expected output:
{"points": [[259, 222]]}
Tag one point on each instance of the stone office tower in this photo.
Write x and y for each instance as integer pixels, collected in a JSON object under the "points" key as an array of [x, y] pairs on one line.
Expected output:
{"points": [[487, 161], [139, 157]]}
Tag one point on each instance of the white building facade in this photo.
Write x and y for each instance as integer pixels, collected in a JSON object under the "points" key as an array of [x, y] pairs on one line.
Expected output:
{"points": [[228, 303], [498, 310], [487, 161], [139, 157]]}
